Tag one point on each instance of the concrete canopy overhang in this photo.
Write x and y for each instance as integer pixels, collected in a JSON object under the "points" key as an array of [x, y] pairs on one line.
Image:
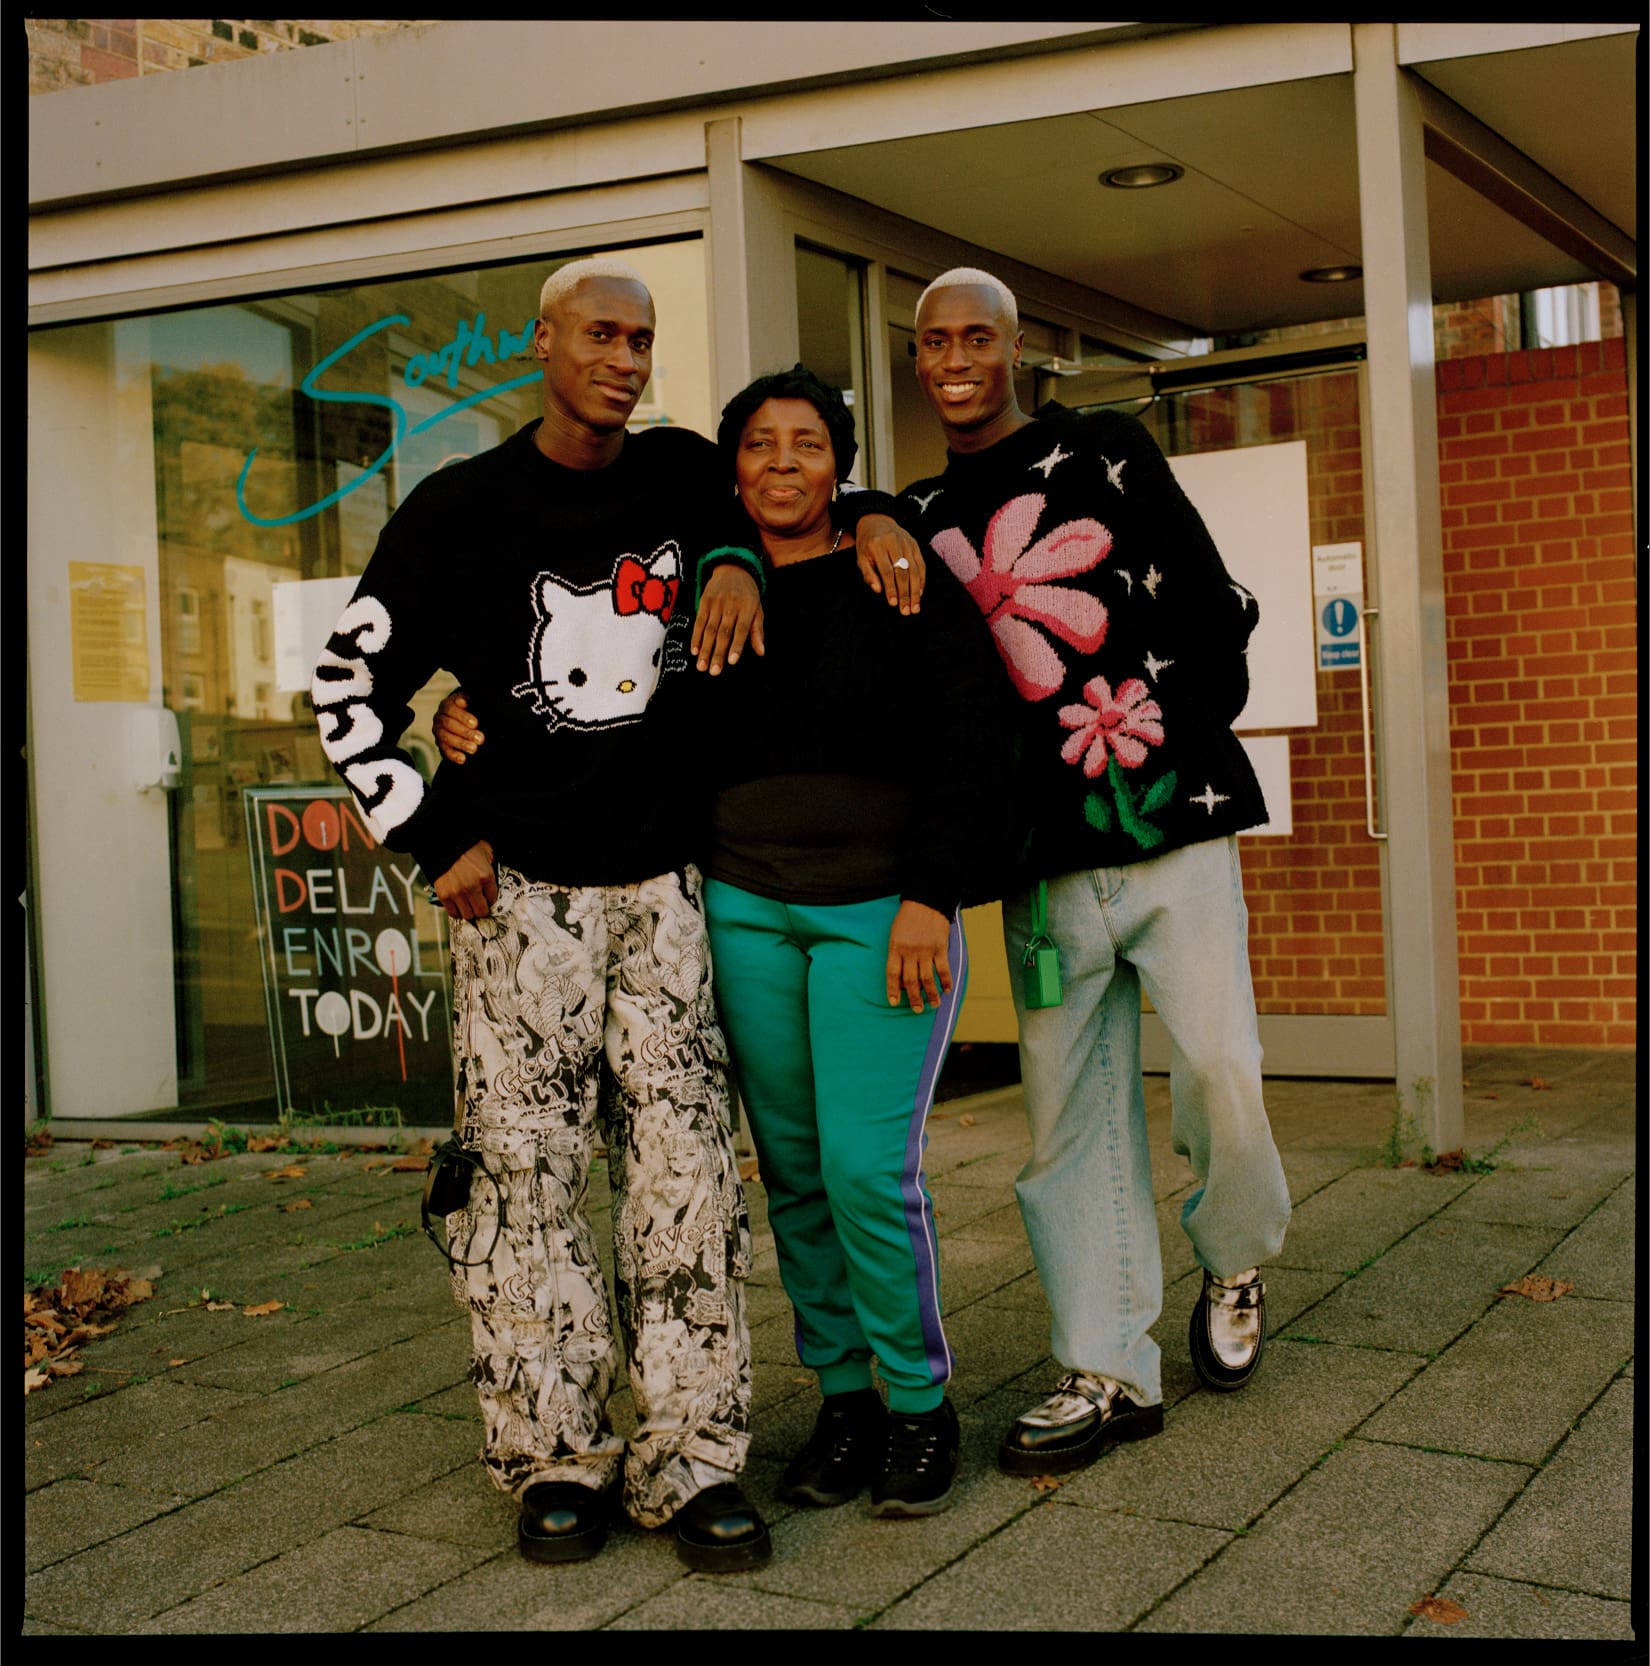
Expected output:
{"points": [[1270, 182]]}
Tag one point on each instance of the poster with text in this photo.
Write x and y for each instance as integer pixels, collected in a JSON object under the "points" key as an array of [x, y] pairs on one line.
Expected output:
{"points": [[355, 964]]}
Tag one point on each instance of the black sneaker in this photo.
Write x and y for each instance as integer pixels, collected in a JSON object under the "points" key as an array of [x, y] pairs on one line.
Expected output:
{"points": [[920, 1466], [842, 1454]]}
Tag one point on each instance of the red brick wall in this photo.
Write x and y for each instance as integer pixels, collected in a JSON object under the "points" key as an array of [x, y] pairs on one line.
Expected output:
{"points": [[1314, 899], [1539, 600], [1539, 593], [83, 51]]}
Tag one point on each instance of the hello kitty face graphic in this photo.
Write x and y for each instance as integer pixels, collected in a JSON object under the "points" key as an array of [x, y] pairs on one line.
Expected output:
{"points": [[595, 654]]}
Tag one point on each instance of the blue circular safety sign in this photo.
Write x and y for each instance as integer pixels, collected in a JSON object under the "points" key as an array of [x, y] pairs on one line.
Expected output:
{"points": [[1340, 617]]}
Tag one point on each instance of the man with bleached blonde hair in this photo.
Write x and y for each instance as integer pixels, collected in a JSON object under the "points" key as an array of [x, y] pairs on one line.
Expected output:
{"points": [[1124, 637], [556, 577]]}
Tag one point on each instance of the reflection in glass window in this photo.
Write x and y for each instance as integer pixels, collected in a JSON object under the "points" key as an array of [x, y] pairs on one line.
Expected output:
{"points": [[285, 431]]}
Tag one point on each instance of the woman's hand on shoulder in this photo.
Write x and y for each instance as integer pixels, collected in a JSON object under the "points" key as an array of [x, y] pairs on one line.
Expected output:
{"points": [[890, 561]]}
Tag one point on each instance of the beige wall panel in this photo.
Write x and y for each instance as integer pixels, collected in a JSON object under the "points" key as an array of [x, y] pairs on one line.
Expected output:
{"points": [[430, 84], [103, 867], [344, 254], [1098, 78]]}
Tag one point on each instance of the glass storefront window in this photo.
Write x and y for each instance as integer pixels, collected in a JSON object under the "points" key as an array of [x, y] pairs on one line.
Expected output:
{"points": [[830, 311], [273, 438]]}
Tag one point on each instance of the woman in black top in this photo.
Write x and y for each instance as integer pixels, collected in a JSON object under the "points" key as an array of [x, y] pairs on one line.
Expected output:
{"points": [[861, 796]]}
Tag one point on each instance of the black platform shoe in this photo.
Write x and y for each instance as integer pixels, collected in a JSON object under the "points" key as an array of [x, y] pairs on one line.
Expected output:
{"points": [[562, 1521], [1073, 1426], [720, 1531]]}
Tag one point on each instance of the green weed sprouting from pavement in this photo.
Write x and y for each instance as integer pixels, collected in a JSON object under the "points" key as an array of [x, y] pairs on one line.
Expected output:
{"points": [[386, 1235], [69, 1223], [224, 1209], [1487, 1163], [224, 1138], [170, 1191]]}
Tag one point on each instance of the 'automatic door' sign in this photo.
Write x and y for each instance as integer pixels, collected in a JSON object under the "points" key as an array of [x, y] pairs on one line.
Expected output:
{"points": [[355, 962]]}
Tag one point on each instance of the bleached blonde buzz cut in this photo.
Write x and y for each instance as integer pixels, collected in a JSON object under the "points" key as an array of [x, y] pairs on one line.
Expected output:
{"points": [[565, 279], [973, 277]]}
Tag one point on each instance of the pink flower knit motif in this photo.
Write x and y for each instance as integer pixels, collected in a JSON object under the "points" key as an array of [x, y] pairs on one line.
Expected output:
{"points": [[1125, 723], [1011, 588]]}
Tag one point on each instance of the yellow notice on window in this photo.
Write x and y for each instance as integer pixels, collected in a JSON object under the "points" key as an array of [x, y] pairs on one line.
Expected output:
{"points": [[109, 631]]}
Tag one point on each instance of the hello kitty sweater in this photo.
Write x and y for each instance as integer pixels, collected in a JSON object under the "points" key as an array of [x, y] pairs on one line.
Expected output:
{"points": [[1120, 629], [562, 600]]}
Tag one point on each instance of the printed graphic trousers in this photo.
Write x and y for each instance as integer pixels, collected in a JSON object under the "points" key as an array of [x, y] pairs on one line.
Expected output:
{"points": [[573, 1007]]}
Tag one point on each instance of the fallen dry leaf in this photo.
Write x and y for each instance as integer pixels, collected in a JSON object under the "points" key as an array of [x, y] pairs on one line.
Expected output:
{"points": [[262, 1142], [263, 1308], [296, 1204], [965, 1122], [220, 1307], [58, 1318], [291, 1172], [1538, 1287], [401, 1165], [172, 1362], [1489, 1096], [1441, 1609], [1449, 1161], [1537, 1082], [1045, 1483]]}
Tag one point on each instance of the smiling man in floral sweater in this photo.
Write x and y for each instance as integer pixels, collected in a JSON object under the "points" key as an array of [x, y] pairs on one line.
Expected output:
{"points": [[1125, 638]]}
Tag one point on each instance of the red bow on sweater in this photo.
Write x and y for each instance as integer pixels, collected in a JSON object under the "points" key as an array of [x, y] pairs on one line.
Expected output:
{"points": [[636, 590]]}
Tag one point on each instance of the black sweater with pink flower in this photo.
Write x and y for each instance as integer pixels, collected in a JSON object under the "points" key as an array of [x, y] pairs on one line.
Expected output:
{"points": [[1120, 628]]}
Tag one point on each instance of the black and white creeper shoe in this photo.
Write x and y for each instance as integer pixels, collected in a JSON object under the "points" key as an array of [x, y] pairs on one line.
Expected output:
{"points": [[1228, 1329], [1084, 1415]]}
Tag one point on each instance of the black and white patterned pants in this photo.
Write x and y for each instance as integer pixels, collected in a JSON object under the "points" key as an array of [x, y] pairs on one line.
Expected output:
{"points": [[573, 1006]]}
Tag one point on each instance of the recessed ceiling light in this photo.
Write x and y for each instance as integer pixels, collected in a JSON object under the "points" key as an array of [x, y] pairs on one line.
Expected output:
{"points": [[1332, 274], [1141, 175]]}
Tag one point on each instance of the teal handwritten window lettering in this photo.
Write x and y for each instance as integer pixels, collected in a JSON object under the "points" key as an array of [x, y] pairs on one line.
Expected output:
{"points": [[469, 345]]}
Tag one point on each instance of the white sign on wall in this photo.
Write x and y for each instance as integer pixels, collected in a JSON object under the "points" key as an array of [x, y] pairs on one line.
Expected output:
{"points": [[1338, 603], [1253, 501]]}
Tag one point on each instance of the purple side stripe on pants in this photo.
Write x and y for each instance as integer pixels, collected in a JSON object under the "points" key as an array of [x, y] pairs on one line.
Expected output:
{"points": [[919, 1219]]}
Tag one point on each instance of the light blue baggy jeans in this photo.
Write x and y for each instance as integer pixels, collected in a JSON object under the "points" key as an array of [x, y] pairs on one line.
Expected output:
{"points": [[1176, 925]]}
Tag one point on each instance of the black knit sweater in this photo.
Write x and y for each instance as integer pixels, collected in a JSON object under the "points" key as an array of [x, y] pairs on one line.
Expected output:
{"points": [[867, 754], [562, 600], [1120, 628]]}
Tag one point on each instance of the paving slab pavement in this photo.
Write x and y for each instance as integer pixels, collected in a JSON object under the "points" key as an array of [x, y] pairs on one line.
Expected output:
{"points": [[1413, 1432]]}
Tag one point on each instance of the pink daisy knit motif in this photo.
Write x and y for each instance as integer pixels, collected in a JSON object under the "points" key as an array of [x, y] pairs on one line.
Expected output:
{"points": [[1124, 724], [1011, 586]]}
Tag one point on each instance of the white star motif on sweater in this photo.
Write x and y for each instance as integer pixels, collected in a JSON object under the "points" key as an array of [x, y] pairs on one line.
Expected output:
{"points": [[1209, 798], [1154, 664], [1152, 579], [1114, 471], [1047, 464], [923, 502]]}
